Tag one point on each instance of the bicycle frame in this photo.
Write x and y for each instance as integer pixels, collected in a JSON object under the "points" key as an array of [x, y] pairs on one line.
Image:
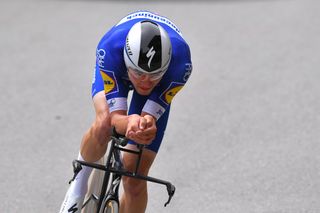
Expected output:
{"points": [[114, 167]]}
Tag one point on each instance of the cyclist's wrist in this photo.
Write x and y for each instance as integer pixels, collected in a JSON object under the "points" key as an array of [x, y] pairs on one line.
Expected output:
{"points": [[119, 120]]}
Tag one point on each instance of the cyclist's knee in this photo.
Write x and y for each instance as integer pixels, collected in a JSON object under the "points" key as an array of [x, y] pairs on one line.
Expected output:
{"points": [[134, 187]]}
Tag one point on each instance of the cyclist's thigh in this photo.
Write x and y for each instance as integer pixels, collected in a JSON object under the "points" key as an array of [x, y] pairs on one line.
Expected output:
{"points": [[129, 160]]}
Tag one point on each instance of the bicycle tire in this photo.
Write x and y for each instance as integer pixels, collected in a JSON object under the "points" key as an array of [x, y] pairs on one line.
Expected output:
{"points": [[110, 206]]}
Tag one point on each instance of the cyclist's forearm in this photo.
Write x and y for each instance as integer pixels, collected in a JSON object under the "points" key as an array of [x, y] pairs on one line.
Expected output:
{"points": [[119, 120]]}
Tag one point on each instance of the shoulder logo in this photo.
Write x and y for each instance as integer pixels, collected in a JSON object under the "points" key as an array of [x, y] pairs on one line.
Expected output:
{"points": [[170, 92], [109, 82]]}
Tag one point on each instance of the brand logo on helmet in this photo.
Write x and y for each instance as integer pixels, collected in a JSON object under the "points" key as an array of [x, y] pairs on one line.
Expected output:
{"points": [[129, 51], [150, 55]]}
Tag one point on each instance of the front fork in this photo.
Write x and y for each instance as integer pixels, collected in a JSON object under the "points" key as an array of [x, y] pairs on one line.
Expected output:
{"points": [[113, 192]]}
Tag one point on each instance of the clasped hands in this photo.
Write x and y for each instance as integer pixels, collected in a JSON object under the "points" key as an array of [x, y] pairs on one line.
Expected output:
{"points": [[141, 129]]}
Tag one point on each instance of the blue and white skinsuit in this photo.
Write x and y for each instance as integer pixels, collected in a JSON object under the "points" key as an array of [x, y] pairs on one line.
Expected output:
{"points": [[112, 77]]}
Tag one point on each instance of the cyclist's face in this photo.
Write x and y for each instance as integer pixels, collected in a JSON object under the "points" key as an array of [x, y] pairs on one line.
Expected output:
{"points": [[143, 84]]}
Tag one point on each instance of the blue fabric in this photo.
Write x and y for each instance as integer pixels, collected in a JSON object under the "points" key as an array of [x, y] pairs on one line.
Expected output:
{"points": [[111, 73], [136, 106]]}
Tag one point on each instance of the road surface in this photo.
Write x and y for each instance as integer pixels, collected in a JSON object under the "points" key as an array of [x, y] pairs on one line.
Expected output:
{"points": [[244, 132]]}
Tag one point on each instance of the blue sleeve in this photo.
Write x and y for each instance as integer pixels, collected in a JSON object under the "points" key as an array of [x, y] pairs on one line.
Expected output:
{"points": [[173, 81], [108, 64]]}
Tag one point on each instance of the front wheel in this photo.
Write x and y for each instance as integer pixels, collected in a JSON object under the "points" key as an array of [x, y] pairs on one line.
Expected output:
{"points": [[110, 206]]}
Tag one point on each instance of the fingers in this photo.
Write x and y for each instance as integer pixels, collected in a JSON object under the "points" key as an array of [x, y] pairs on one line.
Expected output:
{"points": [[147, 121], [132, 126], [150, 120], [150, 126], [143, 123], [141, 129], [146, 140], [143, 137]]}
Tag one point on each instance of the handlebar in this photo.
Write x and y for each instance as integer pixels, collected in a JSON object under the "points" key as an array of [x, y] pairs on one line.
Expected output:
{"points": [[123, 141], [171, 189], [118, 138]]}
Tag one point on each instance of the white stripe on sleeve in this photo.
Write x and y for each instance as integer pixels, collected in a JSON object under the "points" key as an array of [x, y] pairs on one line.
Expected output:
{"points": [[117, 104], [154, 109]]}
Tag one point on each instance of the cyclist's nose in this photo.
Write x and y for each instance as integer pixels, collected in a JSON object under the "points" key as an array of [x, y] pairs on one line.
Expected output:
{"points": [[145, 78]]}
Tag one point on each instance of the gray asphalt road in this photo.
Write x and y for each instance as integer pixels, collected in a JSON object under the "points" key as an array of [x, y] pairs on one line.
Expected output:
{"points": [[243, 134]]}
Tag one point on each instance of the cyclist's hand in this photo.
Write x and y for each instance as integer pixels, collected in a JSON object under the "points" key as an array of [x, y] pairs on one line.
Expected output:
{"points": [[141, 129], [148, 128]]}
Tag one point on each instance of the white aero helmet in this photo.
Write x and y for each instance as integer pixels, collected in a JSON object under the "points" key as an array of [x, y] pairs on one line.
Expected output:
{"points": [[148, 48]]}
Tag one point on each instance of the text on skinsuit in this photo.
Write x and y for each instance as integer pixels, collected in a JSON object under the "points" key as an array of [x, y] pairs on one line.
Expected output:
{"points": [[101, 53]]}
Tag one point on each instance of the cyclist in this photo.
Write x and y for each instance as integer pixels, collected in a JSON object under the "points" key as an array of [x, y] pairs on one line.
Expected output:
{"points": [[146, 53]]}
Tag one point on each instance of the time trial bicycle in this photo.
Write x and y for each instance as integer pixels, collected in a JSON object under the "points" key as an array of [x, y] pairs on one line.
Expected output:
{"points": [[108, 199]]}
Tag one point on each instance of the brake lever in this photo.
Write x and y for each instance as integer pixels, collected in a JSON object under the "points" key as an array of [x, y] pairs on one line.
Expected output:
{"points": [[171, 189], [76, 169]]}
